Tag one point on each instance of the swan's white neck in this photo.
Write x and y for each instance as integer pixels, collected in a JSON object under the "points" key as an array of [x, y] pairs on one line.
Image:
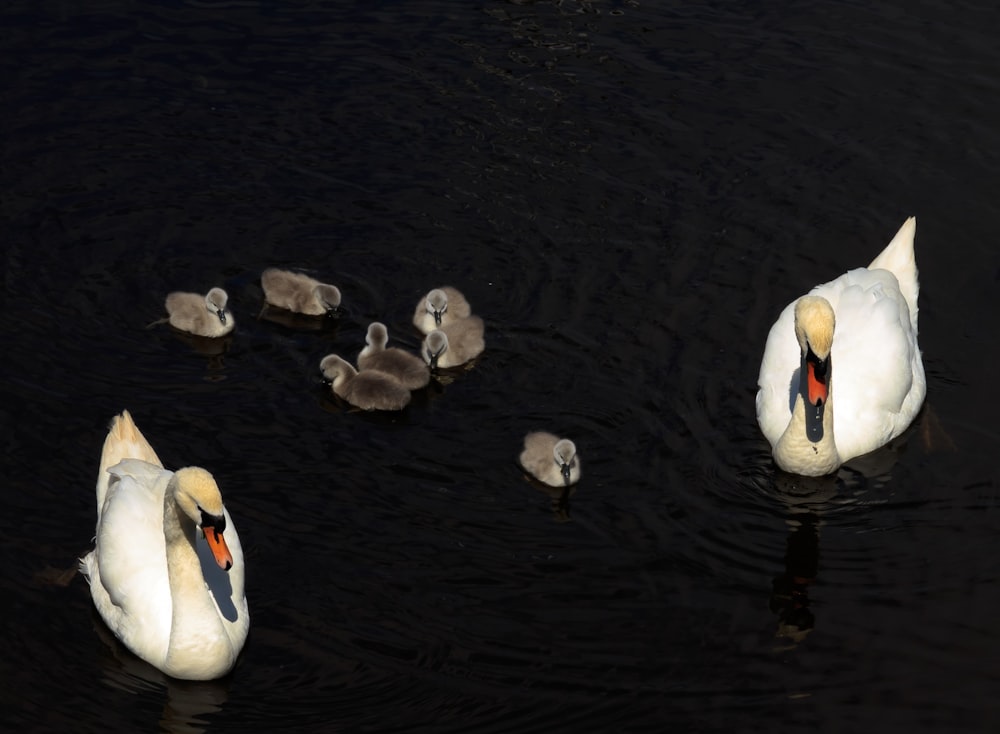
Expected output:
{"points": [[795, 451], [197, 635]]}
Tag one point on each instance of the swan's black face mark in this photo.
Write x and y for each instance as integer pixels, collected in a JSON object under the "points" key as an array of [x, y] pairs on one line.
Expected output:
{"points": [[217, 522]]}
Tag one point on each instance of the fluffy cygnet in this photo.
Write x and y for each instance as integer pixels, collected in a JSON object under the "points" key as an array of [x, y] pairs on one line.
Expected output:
{"points": [[454, 344], [368, 390], [550, 459], [408, 368], [439, 307], [204, 315], [298, 292]]}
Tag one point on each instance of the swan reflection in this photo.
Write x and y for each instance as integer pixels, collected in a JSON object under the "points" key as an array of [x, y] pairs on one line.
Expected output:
{"points": [[214, 349], [328, 323], [805, 499], [790, 589]]}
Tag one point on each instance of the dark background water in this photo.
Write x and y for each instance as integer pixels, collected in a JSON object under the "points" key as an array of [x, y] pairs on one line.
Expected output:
{"points": [[628, 193]]}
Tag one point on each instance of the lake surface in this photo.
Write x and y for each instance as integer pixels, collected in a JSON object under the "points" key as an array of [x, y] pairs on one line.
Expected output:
{"points": [[628, 193]]}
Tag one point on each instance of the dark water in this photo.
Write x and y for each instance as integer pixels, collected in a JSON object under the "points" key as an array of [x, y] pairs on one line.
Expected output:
{"points": [[628, 193]]}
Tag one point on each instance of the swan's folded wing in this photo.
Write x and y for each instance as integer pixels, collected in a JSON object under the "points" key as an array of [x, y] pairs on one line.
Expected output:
{"points": [[130, 548], [873, 349]]}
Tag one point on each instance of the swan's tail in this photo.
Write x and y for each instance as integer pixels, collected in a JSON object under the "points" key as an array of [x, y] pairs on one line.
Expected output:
{"points": [[124, 441], [898, 259]]}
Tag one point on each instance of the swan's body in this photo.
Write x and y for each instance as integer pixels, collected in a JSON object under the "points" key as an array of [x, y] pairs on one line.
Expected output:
{"points": [[203, 315], [856, 356], [550, 459], [368, 389], [440, 307], [408, 368], [299, 293], [166, 573], [454, 344]]}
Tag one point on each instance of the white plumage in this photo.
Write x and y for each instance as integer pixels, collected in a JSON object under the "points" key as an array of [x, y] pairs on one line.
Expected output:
{"points": [[876, 376], [158, 573]]}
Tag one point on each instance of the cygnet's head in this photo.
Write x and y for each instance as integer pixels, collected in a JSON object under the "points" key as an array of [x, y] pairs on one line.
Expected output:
{"points": [[333, 366], [215, 301], [437, 304], [565, 455], [328, 295], [378, 335], [435, 344], [814, 325]]}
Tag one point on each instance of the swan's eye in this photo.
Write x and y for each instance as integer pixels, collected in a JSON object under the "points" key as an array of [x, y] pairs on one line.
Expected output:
{"points": [[213, 521], [819, 365]]}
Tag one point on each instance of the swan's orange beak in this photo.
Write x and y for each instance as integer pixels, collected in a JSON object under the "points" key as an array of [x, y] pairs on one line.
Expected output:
{"points": [[816, 382], [218, 546]]}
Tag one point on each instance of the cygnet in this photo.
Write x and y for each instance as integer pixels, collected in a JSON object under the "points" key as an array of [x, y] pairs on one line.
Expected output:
{"points": [[408, 368], [368, 390], [439, 307], [550, 459], [298, 292], [454, 344], [204, 315]]}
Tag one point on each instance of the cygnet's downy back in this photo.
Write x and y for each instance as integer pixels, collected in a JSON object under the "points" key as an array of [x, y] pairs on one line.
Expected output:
{"points": [[550, 459], [408, 368], [440, 307], [454, 344], [299, 293], [368, 390], [203, 315]]}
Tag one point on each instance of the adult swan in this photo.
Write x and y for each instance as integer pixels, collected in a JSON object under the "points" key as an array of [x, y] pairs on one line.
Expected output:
{"points": [[166, 572], [848, 347]]}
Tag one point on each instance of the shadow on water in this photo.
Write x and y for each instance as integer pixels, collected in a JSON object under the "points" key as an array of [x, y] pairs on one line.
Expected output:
{"points": [[328, 324], [559, 497], [214, 349]]}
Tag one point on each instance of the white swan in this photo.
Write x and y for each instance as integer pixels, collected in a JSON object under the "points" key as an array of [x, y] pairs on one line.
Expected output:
{"points": [[550, 459], [853, 339], [454, 344], [408, 368], [439, 307], [368, 389], [298, 292], [158, 571], [203, 315]]}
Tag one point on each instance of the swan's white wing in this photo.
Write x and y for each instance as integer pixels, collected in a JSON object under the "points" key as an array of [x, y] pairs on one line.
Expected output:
{"points": [[132, 590], [873, 353]]}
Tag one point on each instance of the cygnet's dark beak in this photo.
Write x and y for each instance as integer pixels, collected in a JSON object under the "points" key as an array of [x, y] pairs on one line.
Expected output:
{"points": [[564, 469], [222, 316]]}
